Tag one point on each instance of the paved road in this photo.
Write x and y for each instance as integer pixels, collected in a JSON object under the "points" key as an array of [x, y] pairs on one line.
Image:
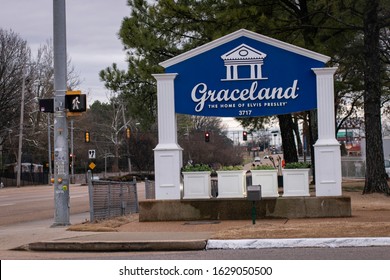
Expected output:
{"points": [[37, 203]]}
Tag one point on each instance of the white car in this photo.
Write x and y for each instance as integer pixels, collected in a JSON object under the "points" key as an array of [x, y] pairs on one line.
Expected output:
{"points": [[257, 159]]}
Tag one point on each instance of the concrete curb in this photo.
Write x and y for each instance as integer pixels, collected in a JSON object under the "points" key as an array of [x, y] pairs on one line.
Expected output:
{"points": [[105, 246], [297, 243], [196, 245]]}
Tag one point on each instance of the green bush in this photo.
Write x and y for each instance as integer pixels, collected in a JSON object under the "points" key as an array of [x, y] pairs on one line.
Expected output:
{"points": [[231, 168], [263, 167], [297, 165], [196, 167]]}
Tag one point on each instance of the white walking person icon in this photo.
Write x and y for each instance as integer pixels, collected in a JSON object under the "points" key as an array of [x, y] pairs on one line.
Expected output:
{"points": [[75, 103]]}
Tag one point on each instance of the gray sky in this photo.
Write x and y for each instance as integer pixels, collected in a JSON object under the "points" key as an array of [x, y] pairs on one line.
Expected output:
{"points": [[92, 28], [91, 33]]}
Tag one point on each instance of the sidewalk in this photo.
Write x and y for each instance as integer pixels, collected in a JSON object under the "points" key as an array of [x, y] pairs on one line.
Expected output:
{"points": [[174, 236]]}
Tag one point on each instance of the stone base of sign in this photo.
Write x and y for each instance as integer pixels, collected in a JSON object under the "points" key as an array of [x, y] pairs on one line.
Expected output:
{"points": [[328, 161], [240, 209], [167, 159]]}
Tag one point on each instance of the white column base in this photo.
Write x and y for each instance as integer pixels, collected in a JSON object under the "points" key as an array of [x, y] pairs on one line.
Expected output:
{"points": [[328, 167], [167, 164]]}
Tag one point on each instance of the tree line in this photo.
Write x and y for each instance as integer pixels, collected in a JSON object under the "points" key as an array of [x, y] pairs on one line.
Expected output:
{"points": [[122, 141], [353, 33]]}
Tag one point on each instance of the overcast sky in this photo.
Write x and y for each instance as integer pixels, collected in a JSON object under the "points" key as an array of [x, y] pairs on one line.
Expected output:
{"points": [[92, 34]]}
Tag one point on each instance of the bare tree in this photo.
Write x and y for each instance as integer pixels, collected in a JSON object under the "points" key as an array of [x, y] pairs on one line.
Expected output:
{"points": [[14, 56]]}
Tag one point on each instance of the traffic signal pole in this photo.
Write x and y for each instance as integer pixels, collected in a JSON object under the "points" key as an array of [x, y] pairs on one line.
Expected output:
{"points": [[61, 153]]}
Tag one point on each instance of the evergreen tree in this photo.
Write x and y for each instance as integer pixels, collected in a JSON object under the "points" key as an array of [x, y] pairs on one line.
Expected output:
{"points": [[348, 31]]}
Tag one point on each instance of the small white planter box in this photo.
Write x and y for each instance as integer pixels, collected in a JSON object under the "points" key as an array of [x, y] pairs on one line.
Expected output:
{"points": [[268, 179], [197, 184], [231, 184], [296, 182]]}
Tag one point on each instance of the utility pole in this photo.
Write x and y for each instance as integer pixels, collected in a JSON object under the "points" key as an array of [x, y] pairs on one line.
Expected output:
{"points": [[61, 153], [49, 148], [21, 124], [72, 151], [128, 139]]}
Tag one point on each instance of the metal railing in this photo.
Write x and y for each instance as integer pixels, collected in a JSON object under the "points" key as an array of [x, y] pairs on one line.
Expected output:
{"points": [[150, 192], [108, 199], [352, 167]]}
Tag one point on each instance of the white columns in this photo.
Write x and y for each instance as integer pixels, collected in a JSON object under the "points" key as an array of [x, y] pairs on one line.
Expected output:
{"points": [[167, 154], [235, 72], [326, 149]]}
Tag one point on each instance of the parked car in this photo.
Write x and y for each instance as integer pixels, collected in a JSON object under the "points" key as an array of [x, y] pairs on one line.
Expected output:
{"points": [[387, 166], [257, 159]]}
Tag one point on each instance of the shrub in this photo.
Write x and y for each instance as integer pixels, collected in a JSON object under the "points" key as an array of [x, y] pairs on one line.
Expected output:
{"points": [[263, 167], [196, 167], [297, 165], [231, 168]]}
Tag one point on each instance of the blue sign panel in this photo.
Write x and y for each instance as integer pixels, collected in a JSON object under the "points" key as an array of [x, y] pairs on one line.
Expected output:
{"points": [[245, 77]]}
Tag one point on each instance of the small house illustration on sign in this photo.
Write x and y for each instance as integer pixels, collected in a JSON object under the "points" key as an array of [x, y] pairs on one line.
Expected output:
{"points": [[243, 56]]}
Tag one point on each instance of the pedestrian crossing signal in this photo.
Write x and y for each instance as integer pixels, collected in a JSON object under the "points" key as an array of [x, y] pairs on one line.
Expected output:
{"points": [[75, 101]]}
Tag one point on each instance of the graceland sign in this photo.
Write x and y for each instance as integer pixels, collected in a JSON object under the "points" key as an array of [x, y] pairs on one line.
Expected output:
{"points": [[245, 74], [240, 75]]}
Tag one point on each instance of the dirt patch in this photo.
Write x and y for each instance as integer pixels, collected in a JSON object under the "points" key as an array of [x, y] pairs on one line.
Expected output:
{"points": [[370, 218], [108, 225]]}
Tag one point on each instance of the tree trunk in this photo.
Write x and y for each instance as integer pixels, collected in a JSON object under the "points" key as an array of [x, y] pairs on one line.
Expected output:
{"points": [[288, 141], [375, 170], [298, 136], [313, 137]]}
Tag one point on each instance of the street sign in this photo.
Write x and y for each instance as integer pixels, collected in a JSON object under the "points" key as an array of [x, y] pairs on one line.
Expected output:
{"points": [[92, 166], [91, 154]]}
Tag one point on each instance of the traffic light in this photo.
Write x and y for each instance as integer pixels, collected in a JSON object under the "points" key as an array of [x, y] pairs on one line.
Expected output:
{"points": [[207, 136], [87, 138], [244, 135], [128, 133]]}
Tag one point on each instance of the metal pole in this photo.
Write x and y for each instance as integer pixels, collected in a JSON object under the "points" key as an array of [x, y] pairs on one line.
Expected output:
{"points": [[72, 151], [105, 165], [19, 170], [90, 193], [49, 148], [127, 142], [61, 153]]}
